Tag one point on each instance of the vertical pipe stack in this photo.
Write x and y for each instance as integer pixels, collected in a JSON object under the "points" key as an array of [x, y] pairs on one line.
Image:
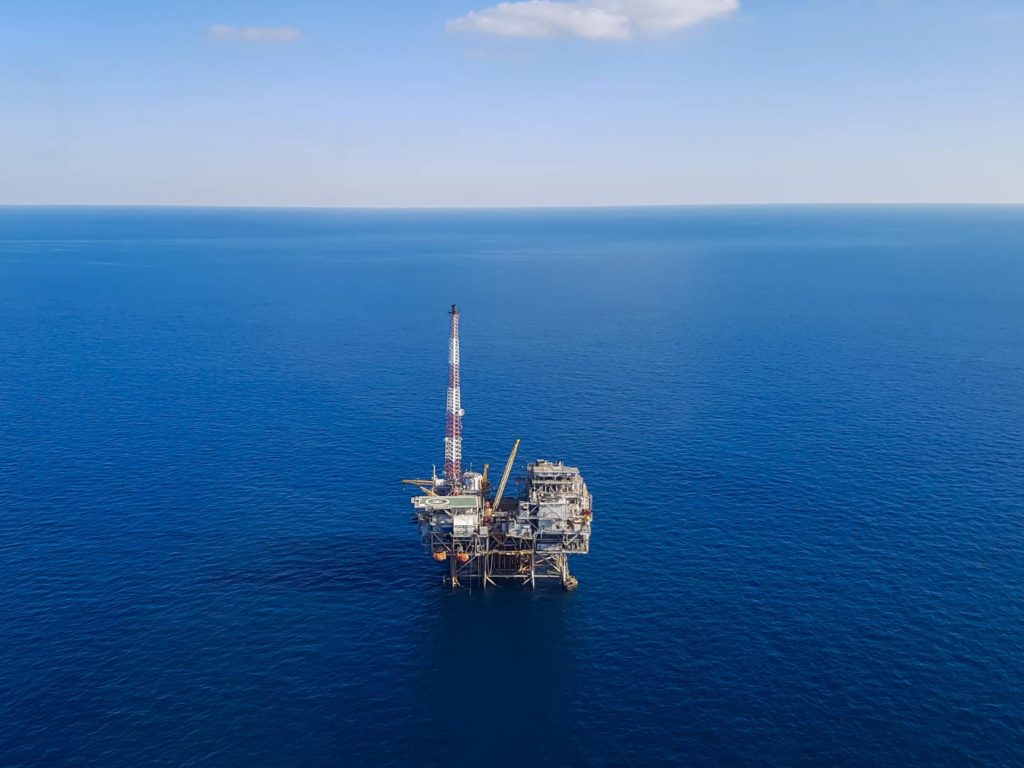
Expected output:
{"points": [[453, 418]]}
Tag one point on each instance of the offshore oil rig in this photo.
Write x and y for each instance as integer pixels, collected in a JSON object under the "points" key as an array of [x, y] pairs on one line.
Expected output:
{"points": [[484, 537]]}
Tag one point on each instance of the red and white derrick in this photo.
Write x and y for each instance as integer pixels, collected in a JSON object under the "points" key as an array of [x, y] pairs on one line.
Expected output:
{"points": [[453, 418]]}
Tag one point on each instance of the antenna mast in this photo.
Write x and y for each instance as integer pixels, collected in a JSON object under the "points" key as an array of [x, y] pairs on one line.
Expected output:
{"points": [[453, 418]]}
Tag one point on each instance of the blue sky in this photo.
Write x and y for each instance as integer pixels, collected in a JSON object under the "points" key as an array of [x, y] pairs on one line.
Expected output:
{"points": [[468, 103]]}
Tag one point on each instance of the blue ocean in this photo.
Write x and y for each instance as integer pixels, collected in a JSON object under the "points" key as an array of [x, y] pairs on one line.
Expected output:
{"points": [[803, 428]]}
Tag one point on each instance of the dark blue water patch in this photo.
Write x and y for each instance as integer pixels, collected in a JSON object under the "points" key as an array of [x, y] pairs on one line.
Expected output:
{"points": [[802, 427]]}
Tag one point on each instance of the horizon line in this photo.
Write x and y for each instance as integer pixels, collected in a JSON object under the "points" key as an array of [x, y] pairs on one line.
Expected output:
{"points": [[609, 206]]}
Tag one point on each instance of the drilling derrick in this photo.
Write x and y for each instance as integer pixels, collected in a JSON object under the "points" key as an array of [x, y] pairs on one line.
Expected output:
{"points": [[453, 416], [525, 536]]}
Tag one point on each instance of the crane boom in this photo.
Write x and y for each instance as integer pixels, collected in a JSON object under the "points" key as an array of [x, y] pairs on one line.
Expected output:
{"points": [[504, 476]]}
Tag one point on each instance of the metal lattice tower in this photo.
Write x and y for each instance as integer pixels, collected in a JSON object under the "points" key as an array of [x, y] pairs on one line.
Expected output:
{"points": [[453, 418]]}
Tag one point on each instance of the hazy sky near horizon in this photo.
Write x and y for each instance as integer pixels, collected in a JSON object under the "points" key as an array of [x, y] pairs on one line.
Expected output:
{"points": [[539, 102]]}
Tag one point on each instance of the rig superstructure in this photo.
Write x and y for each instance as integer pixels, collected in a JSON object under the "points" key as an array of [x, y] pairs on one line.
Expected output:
{"points": [[484, 537]]}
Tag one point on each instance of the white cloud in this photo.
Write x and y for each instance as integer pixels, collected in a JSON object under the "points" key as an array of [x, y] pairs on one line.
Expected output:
{"points": [[255, 34], [544, 18], [591, 19]]}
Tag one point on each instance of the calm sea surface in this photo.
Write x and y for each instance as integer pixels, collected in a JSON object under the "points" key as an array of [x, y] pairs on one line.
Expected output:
{"points": [[803, 428]]}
